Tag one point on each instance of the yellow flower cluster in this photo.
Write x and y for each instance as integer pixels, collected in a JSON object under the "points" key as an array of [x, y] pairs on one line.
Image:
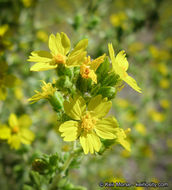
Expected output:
{"points": [[87, 122]]}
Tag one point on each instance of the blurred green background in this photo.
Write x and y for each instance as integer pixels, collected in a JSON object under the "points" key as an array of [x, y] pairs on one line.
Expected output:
{"points": [[143, 29]]}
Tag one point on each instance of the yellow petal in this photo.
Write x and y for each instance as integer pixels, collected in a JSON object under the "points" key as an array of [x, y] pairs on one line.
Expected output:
{"points": [[13, 121], [122, 60], [111, 52], [90, 142], [26, 136], [92, 75], [5, 132], [14, 142], [106, 128], [75, 107], [99, 107], [70, 130], [55, 44], [130, 81], [40, 56], [65, 42], [81, 45], [25, 121], [96, 62], [42, 67], [76, 58], [121, 138]]}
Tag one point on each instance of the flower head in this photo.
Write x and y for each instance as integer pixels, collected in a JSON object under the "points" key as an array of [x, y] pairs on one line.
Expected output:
{"points": [[89, 67], [89, 124], [47, 91], [59, 46], [18, 131], [120, 66]]}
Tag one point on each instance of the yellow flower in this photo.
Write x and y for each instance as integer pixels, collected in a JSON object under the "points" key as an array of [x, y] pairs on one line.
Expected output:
{"points": [[47, 91], [3, 29], [59, 46], [6, 80], [89, 124], [27, 3], [89, 67], [122, 102], [164, 83], [120, 66], [135, 47], [140, 128], [162, 68], [119, 20], [165, 103], [156, 116], [42, 35], [18, 131]]}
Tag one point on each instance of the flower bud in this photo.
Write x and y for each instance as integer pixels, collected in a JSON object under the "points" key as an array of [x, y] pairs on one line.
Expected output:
{"points": [[107, 91]]}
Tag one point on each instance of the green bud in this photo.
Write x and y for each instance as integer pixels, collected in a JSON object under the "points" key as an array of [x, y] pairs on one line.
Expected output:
{"points": [[103, 70], [93, 22], [63, 82], [111, 79], [40, 166], [57, 101], [62, 70], [77, 21], [107, 91]]}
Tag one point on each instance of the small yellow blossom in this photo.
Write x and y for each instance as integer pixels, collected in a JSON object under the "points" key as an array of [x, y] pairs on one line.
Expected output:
{"points": [[89, 67], [165, 103], [47, 91], [59, 46], [42, 35], [18, 131], [89, 124], [164, 83], [169, 143], [159, 54], [119, 20], [156, 116], [140, 128], [162, 68], [3, 29], [122, 103], [120, 66], [27, 3], [135, 47]]}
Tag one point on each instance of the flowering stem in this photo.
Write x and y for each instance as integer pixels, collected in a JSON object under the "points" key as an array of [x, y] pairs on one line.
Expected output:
{"points": [[58, 176]]}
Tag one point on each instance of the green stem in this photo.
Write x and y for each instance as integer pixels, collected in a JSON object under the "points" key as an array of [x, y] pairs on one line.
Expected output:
{"points": [[58, 176]]}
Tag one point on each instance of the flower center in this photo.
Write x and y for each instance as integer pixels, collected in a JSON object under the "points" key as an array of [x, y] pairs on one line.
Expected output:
{"points": [[84, 71], [88, 122], [15, 129], [59, 58]]}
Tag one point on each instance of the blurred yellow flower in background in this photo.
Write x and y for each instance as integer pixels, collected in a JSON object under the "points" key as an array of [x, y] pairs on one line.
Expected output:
{"points": [[165, 103], [135, 47], [164, 83], [42, 35], [162, 68], [156, 116], [18, 131], [119, 20], [120, 66], [139, 127], [27, 3]]}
